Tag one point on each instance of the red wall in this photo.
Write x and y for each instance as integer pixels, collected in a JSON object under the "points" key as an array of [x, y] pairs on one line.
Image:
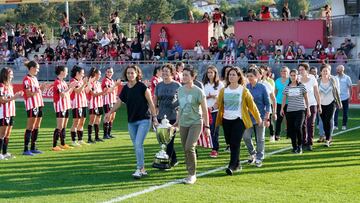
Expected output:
{"points": [[306, 32], [186, 33]]}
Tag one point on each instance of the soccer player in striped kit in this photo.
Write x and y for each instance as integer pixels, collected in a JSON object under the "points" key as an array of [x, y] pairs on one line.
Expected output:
{"points": [[95, 103], [110, 88], [78, 105], [7, 110], [33, 105], [62, 105]]}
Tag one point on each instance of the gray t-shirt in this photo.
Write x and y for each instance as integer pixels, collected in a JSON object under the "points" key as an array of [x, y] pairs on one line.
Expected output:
{"points": [[189, 105], [167, 99]]}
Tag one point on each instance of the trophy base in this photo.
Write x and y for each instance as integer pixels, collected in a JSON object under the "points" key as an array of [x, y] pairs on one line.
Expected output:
{"points": [[161, 163]]}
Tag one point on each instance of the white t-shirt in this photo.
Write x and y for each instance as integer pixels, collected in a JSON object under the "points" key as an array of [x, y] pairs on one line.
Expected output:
{"points": [[309, 85], [209, 89], [199, 49], [232, 103]]}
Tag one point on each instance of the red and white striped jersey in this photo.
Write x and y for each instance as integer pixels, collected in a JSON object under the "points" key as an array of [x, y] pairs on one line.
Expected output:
{"points": [[7, 109], [31, 83], [109, 98], [78, 100], [95, 101], [61, 104]]}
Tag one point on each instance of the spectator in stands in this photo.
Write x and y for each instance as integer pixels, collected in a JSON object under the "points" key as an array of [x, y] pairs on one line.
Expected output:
{"points": [[140, 29], [164, 43], [115, 23], [298, 46], [136, 49], [285, 13], [313, 57], [231, 44], [157, 50], [199, 50], [148, 24], [251, 16], [81, 21], [340, 56], [289, 54], [9, 29], [330, 51], [191, 16], [242, 60], [271, 47], [99, 32], [207, 59], [279, 46], [147, 50], [178, 76], [225, 23], [216, 19], [64, 22], [263, 57], [91, 34], [250, 46], [302, 15], [318, 46], [345, 85], [326, 15], [323, 56], [229, 58], [265, 14], [186, 56], [104, 41], [241, 47], [3, 37], [260, 47], [206, 18], [300, 56], [177, 48], [348, 46], [278, 57], [213, 47]]}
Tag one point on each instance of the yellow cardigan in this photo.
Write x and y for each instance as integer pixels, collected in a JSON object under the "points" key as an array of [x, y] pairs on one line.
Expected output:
{"points": [[247, 106]]}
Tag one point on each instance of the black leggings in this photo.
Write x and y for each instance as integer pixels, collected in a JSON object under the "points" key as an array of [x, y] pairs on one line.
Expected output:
{"points": [[233, 131], [326, 117], [279, 119], [295, 120]]}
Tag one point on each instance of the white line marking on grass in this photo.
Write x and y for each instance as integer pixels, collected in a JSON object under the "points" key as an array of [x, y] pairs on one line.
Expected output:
{"points": [[157, 187]]}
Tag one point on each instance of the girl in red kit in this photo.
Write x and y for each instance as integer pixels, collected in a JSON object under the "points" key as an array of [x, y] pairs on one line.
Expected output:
{"points": [[7, 110], [33, 105], [62, 105], [109, 88], [78, 105], [95, 103]]}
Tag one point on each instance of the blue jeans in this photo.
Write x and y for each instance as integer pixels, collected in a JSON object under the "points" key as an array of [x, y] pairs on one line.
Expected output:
{"points": [[260, 141], [138, 131], [214, 132]]}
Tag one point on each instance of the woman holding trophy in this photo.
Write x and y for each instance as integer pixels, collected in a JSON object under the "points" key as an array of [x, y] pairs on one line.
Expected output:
{"points": [[166, 102], [138, 100], [191, 119]]}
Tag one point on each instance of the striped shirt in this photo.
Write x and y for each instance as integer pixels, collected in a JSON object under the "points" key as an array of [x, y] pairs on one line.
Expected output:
{"points": [[295, 97], [31, 83], [109, 98], [7, 109], [95, 101], [61, 104], [78, 100]]}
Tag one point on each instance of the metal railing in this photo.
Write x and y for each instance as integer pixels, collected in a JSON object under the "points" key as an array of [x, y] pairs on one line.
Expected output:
{"points": [[352, 67]]}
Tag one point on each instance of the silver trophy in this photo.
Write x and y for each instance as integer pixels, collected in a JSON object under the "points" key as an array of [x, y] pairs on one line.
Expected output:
{"points": [[164, 133]]}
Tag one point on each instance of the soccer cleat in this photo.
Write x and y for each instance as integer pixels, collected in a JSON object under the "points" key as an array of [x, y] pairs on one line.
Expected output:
{"points": [[138, 174], [343, 128], [56, 149], [65, 146], [36, 151], [98, 140], [28, 153], [75, 144], [8, 156], [214, 154], [272, 138], [190, 180], [251, 159], [90, 141], [258, 163]]}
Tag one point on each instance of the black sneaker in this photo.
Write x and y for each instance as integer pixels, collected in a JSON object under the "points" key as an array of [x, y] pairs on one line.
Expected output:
{"points": [[106, 137], [99, 140], [299, 150], [294, 150], [111, 137], [229, 171], [277, 138], [90, 141]]}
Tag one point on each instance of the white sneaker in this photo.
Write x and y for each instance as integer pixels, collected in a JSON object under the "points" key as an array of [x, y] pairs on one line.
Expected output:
{"points": [[258, 163], [75, 144], [138, 174], [336, 128], [272, 138], [251, 159], [190, 180], [327, 143], [8, 156], [343, 128], [82, 142], [1, 157]]}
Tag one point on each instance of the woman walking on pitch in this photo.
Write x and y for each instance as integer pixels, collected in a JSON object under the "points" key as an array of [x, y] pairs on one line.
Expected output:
{"points": [[235, 106], [109, 87], [78, 105], [62, 104], [262, 101], [311, 85], [192, 115], [166, 102], [296, 110], [138, 100], [33, 105], [95, 103], [7, 110], [330, 98], [212, 87], [280, 85]]}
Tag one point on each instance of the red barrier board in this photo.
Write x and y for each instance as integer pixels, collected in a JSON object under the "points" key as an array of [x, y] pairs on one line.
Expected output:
{"points": [[307, 32], [186, 33]]}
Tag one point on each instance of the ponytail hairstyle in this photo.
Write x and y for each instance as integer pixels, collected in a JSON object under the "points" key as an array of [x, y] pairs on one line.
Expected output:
{"points": [[4, 75], [30, 64], [93, 71], [59, 69], [75, 70]]}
